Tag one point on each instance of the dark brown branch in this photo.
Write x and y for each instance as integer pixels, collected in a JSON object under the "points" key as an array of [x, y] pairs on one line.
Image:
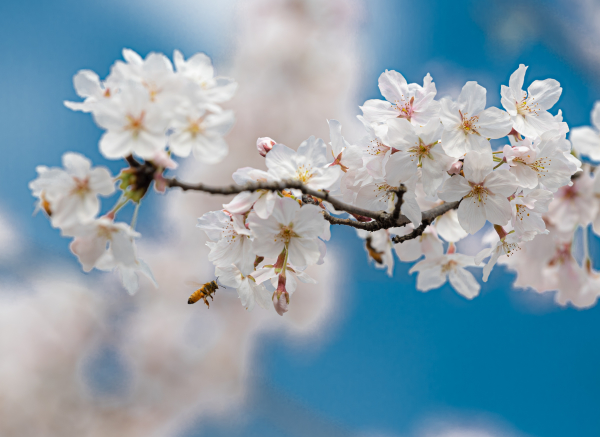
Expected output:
{"points": [[399, 193], [381, 219], [275, 186]]}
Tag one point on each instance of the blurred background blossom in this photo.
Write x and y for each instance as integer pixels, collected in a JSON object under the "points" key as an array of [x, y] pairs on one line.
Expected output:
{"points": [[359, 353]]}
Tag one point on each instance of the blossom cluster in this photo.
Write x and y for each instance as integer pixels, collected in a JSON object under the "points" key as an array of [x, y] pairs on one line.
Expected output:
{"points": [[416, 154], [146, 107]]}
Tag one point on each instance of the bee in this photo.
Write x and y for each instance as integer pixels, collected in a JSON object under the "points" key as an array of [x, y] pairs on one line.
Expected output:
{"points": [[205, 291], [377, 256]]}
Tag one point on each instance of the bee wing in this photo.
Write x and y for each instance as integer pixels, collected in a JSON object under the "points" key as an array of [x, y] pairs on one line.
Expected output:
{"points": [[195, 284]]}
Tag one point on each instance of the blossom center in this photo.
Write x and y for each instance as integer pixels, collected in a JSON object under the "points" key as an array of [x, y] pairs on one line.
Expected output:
{"points": [[468, 125], [527, 107], [303, 174], [287, 232], [479, 192], [449, 266], [195, 128], [405, 109], [135, 124], [82, 186]]}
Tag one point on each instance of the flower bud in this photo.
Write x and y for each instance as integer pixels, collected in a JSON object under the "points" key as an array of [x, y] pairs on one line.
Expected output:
{"points": [[455, 168], [281, 298], [264, 145]]}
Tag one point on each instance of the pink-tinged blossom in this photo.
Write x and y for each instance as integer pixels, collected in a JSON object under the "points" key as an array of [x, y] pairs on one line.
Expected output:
{"points": [[248, 290], [529, 110], [527, 210], [89, 86], [483, 192], [133, 124], [586, 139], [72, 193], [262, 201], [417, 147], [427, 244], [264, 145], [92, 240], [596, 190], [468, 125], [199, 70], [435, 271], [199, 133], [231, 243], [291, 227], [309, 164], [574, 205], [412, 102], [507, 245], [541, 163]]}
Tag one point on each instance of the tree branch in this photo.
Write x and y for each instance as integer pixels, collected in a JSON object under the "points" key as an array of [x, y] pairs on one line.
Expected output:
{"points": [[381, 219]]}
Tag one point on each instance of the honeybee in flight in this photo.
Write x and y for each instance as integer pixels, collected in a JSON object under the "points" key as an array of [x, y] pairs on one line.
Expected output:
{"points": [[205, 291], [377, 256]]}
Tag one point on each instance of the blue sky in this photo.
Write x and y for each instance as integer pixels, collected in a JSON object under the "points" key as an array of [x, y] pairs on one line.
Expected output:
{"points": [[396, 358]]}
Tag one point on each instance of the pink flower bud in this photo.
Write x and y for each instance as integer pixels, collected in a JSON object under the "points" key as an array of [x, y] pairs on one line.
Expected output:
{"points": [[163, 160], [264, 145], [455, 168], [160, 183], [281, 298]]}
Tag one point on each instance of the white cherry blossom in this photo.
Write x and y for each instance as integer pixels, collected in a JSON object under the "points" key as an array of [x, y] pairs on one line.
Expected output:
{"points": [[585, 139], [72, 194], [413, 102], [427, 244], [417, 147], [92, 240], [291, 227], [247, 288], [199, 70], [89, 86], [574, 205], [309, 164], [231, 242], [468, 125], [378, 245], [527, 210], [435, 271], [128, 273], [375, 151], [505, 246], [540, 163], [483, 192], [133, 124], [195, 131], [529, 110], [262, 201], [449, 228]]}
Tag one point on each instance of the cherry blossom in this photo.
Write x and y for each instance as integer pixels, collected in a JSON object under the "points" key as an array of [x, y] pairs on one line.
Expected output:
{"points": [[262, 201], [231, 242], [468, 125], [483, 192], [417, 147], [410, 101], [133, 124], [427, 244], [585, 139], [196, 132], [527, 210], [529, 110], [436, 271], [72, 194], [507, 245], [91, 241], [309, 164], [289, 227], [379, 248], [248, 290], [264, 145], [89, 86]]}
